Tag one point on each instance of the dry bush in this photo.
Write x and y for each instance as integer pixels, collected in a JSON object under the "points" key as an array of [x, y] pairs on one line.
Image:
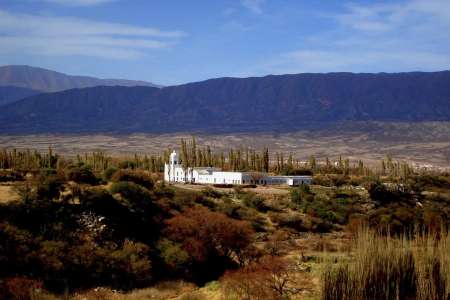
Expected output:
{"points": [[278, 243], [355, 224], [270, 278], [21, 288], [277, 203], [204, 234]]}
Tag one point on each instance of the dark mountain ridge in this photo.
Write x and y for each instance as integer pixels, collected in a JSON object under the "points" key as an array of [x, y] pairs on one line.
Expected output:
{"points": [[270, 103], [9, 94], [51, 81]]}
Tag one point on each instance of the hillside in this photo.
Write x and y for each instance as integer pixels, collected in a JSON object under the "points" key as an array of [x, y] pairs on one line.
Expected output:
{"points": [[51, 81], [271, 103], [9, 94]]}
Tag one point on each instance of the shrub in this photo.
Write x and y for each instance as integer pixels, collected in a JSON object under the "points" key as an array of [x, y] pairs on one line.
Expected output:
{"points": [[206, 202], [254, 201], [396, 218], [163, 190], [320, 226], [269, 278], [15, 248], [130, 264], [293, 221], [130, 191], [109, 172], [205, 234], [48, 187], [278, 243], [322, 180], [82, 174], [173, 255], [137, 177], [426, 181], [21, 288], [136, 198], [301, 194], [127, 164], [210, 192]]}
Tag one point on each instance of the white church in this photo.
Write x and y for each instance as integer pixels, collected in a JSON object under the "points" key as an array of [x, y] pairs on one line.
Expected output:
{"points": [[175, 173]]}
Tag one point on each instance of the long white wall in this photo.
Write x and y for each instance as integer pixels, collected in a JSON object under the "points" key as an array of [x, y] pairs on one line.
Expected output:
{"points": [[176, 173]]}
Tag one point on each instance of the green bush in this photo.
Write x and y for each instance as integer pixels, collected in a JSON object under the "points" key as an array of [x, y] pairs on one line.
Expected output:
{"points": [[48, 187], [174, 257], [127, 164], [293, 221], [137, 177], [109, 172], [255, 201], [301, 194], [82, 174], [210, 192], [134, 194]]}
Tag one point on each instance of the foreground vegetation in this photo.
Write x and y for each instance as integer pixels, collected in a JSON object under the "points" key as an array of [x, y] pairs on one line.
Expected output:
{"points": [[98, 227], [383, 267]]}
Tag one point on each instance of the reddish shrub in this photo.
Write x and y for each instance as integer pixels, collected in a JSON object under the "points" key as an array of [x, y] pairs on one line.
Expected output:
{"points": [[21, 288], [204, 234], [270, 278]]}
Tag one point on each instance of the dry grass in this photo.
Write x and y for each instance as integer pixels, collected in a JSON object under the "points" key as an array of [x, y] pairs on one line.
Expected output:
{"points": [[391, 268], [263, 190], [162, 291]]}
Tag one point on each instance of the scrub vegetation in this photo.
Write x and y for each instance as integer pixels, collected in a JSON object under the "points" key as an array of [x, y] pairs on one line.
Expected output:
{"points": [[99, 227]]}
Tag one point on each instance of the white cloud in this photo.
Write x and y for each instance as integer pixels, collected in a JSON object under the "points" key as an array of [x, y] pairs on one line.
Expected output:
{"points": [[344, 60], [43, 35], [79, 2], [413, 35], [382, 17], [255, 6]]}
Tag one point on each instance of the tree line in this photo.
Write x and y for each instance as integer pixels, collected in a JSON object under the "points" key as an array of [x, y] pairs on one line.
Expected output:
{"points": [[192, 155]]}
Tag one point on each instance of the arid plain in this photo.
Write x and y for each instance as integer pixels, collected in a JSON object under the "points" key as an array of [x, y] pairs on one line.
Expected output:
{"points": [[423, 144]]}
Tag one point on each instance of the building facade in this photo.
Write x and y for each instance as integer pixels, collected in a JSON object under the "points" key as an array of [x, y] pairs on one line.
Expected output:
{"points": [[175, 172]]}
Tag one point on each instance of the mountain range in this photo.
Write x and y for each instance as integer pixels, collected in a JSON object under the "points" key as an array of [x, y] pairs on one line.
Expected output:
{"points": [[9, 94], [44, 80], [270, 103]]}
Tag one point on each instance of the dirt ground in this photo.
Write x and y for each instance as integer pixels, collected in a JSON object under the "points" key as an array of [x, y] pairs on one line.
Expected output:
{"points": [[7, 193]]}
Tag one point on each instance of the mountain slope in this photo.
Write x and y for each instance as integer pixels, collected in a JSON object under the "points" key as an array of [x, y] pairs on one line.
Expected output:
{"points": [[9, 94], [51, 81], [78, 110], [282, 103]]}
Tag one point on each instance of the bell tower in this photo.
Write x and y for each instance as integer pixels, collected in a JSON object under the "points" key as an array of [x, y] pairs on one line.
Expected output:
{"points": [[170, 168], [173, 160]]}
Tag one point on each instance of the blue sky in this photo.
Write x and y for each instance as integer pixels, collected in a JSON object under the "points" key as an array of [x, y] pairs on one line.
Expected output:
{"points": [[173, 42]]}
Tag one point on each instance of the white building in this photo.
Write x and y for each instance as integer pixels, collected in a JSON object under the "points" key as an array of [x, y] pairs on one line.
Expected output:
{"points": [[174, 172]]}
